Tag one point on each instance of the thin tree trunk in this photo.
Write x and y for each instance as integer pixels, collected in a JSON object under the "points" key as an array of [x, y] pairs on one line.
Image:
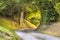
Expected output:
{"points": [[21, 17]]}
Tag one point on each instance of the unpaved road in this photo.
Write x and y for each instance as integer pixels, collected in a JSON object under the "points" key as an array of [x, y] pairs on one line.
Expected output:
{"points": [[35, 36]]}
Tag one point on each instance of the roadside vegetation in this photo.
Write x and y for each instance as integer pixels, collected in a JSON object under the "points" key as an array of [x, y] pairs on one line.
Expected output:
{"points": [[40, 15]]}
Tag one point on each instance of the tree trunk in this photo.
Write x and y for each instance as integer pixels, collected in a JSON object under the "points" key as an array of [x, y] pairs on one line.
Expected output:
{"points": [[21, 17]]}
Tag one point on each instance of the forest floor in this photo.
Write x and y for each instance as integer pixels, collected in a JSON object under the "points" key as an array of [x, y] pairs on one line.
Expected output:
{"points": [[52, 29]]}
